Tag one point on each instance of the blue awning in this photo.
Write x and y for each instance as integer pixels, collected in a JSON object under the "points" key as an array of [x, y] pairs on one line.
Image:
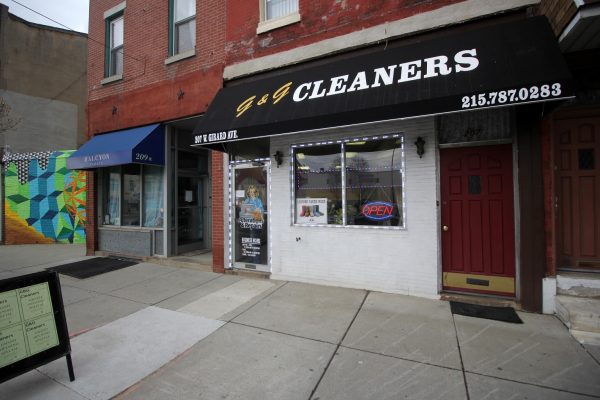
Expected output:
{"points": [[143, 145]]}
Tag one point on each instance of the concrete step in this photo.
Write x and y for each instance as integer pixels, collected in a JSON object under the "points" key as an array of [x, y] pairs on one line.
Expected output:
{"points": [[183, 262], [582, 316], [480, 300], [579, 284]]}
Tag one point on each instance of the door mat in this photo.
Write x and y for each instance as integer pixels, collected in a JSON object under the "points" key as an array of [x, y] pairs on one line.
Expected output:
{"points": [[505, 314], [92, 267]]}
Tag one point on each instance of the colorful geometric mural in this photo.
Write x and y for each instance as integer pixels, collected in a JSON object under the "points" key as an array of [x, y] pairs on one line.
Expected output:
{"points": [[44, 201]]}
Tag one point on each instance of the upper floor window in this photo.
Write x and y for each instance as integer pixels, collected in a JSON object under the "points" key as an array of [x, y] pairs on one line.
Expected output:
{"points": [[116, 47], [114, 40], [279, 8], [277, 13], [183, 26]]}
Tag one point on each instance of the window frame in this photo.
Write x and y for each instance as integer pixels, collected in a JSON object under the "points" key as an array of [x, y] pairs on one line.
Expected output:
{"points": [[296, 147], [109, 18], [173, 53], [105, 182], [268, 24]]}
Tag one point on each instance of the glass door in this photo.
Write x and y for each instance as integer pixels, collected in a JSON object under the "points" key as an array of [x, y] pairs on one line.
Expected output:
{"points": [[193, 198], [250, 225], [190, 213]]}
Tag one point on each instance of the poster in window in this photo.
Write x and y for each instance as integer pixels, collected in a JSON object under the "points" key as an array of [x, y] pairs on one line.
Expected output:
{"points": [[311, 211], [251, 216]]}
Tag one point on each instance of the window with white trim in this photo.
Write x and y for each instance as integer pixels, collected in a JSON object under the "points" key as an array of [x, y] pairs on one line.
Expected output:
{"points": [[132, 195], [182, 32], [351, 182], [114, 40], [277, 13], [279, 8]]}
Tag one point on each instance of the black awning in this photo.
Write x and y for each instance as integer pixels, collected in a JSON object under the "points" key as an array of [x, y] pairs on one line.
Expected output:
{"points": [[505, 64]]}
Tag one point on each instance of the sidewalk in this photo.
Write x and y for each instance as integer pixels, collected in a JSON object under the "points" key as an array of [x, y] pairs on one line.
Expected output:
{"points": [[157, 332]]}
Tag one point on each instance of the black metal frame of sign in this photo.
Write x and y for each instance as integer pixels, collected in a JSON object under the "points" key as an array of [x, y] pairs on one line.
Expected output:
{"points": [[63, 349]]}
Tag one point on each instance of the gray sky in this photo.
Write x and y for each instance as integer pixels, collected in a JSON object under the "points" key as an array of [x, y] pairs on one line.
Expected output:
{"points": [[72, 13]]}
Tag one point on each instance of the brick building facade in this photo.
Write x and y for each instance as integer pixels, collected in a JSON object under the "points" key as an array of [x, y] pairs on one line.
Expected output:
{"points": [[148, 82], [156, 85], [261, 200], [408, 254], [326, 20], [415, 259]]}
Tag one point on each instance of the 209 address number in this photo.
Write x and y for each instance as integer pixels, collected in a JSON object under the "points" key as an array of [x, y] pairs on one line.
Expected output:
{"points": [[512, 96], [142, 157]]}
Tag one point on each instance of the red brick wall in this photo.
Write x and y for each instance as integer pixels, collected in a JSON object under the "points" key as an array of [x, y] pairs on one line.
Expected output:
{"points": [[320, 19], [156, 102], [148, 91], [218, 208]]}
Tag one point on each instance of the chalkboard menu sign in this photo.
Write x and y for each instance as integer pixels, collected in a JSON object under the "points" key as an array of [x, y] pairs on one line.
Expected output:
{"points": [[33, 328]]}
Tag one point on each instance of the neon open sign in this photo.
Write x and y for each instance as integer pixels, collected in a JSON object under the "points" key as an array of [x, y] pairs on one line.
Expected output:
{"points": [[378, 210]]}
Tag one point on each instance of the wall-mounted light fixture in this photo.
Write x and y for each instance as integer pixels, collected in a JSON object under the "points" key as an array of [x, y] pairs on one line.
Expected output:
{"points": [[420, 143], [278, 156], [114, 110], [180, 94]]}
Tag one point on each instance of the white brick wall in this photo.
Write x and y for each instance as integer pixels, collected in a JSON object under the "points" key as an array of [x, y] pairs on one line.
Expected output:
{"points": [[401, 261]]}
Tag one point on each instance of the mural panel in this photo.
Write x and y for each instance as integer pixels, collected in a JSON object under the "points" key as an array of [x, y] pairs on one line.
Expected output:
{"points": [[44, 201]]}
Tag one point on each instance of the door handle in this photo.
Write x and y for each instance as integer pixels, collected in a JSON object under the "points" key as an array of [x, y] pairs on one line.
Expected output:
{"points": [[445, 228]]}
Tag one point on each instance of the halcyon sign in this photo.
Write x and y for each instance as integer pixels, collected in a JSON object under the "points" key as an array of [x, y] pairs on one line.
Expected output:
{"points": [[499, 65], [142, 145]]}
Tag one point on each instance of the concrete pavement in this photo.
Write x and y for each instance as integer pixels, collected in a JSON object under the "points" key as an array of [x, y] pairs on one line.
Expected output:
{"points": [[156, 332]]}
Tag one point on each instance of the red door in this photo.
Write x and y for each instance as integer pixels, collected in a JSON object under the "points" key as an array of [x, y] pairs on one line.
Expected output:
{"points": [[578, 193], [478, 235]]}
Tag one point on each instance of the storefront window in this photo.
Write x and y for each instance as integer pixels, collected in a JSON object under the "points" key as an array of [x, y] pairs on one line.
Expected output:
{"points": [[318, 180], [353, 182], [133, 196], [374, 182], [153, 196], [112, 196]]}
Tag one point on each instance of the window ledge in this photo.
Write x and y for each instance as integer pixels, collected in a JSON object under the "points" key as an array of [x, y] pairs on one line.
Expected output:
{"points": [[180, 56], [111, 79], [130, 228], [365, 227], [269, 25]]}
